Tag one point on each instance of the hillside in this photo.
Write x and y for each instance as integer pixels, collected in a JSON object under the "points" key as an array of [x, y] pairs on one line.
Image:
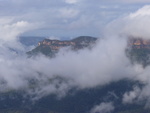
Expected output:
{"points": [[50, 47], [76, 100], [138, 50]]}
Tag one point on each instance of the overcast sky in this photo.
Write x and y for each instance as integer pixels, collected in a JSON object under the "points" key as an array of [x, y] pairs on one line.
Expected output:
{"points": [[66, 18]]}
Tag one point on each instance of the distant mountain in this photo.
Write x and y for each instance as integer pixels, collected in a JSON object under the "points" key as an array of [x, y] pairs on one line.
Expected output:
{"points": [[76, 100], [138, 50], [50, 47]]}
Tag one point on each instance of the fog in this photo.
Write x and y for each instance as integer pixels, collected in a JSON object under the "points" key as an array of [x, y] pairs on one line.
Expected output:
{"points": [[104, 63]]}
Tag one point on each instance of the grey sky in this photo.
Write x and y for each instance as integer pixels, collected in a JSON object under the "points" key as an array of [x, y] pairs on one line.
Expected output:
{"points": [[67, 17]]}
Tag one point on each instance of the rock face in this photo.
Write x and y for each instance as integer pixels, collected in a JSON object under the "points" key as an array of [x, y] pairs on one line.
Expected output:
{"points": [[56, 44], [77, 43], [139, 43], [49, 47], [138, 51], [85, 41]]}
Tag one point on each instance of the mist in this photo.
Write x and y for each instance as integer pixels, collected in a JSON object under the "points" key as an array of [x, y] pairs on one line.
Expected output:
{"points": [[106, 62]]}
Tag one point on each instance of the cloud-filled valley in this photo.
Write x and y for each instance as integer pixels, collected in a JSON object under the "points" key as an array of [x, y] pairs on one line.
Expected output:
{"points": [[105, 63]]}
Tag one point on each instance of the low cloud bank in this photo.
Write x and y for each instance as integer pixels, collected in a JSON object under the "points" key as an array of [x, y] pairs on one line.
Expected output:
{"points": [[104, 63]]}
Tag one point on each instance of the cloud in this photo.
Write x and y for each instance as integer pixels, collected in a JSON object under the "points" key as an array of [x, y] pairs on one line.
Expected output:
{"points": [[71, 1], [104, 63], [131, 97], [105, 107], [138, 23], [139, 94], [103, 66], [82, 69], [135, 1], [126, 1], [135, 24], [11, 28], [68, 13], [59, 15]]}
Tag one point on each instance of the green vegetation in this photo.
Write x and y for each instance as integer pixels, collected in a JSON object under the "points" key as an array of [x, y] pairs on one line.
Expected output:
{"points": [[138, 110], [76, 101], [140, 56], [45, 50]]}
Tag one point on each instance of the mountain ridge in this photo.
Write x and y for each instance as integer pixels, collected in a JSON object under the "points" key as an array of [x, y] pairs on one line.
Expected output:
{"points": [[50, 47]]}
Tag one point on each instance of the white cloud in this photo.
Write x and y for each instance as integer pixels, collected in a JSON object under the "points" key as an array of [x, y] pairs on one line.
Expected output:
{"points": [[135, 1], [135, 24], [68, 13], [83, 69], [126, 1], [103, 108], [131, 97], [60, 14], [11, 29], [71, 1], [141, 12], [105, 63]]}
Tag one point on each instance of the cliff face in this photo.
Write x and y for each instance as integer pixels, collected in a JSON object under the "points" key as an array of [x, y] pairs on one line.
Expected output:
{"points": [[56, 44], [81, 42], [138, 51], [49, 47], [139, 43], [77, 43]]}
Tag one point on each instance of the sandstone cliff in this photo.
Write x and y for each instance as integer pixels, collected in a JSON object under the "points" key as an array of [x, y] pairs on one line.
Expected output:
{"points": [[49, 47], [139, 43]]}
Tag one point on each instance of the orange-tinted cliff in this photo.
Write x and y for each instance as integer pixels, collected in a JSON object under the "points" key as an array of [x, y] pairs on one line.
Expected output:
{"points": [[50, 47], [81, 42], [56, 44], [76, 43], [139, 43]]}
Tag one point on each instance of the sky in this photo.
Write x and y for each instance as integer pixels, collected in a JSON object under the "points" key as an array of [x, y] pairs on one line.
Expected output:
{"points": [[66, 18]]}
